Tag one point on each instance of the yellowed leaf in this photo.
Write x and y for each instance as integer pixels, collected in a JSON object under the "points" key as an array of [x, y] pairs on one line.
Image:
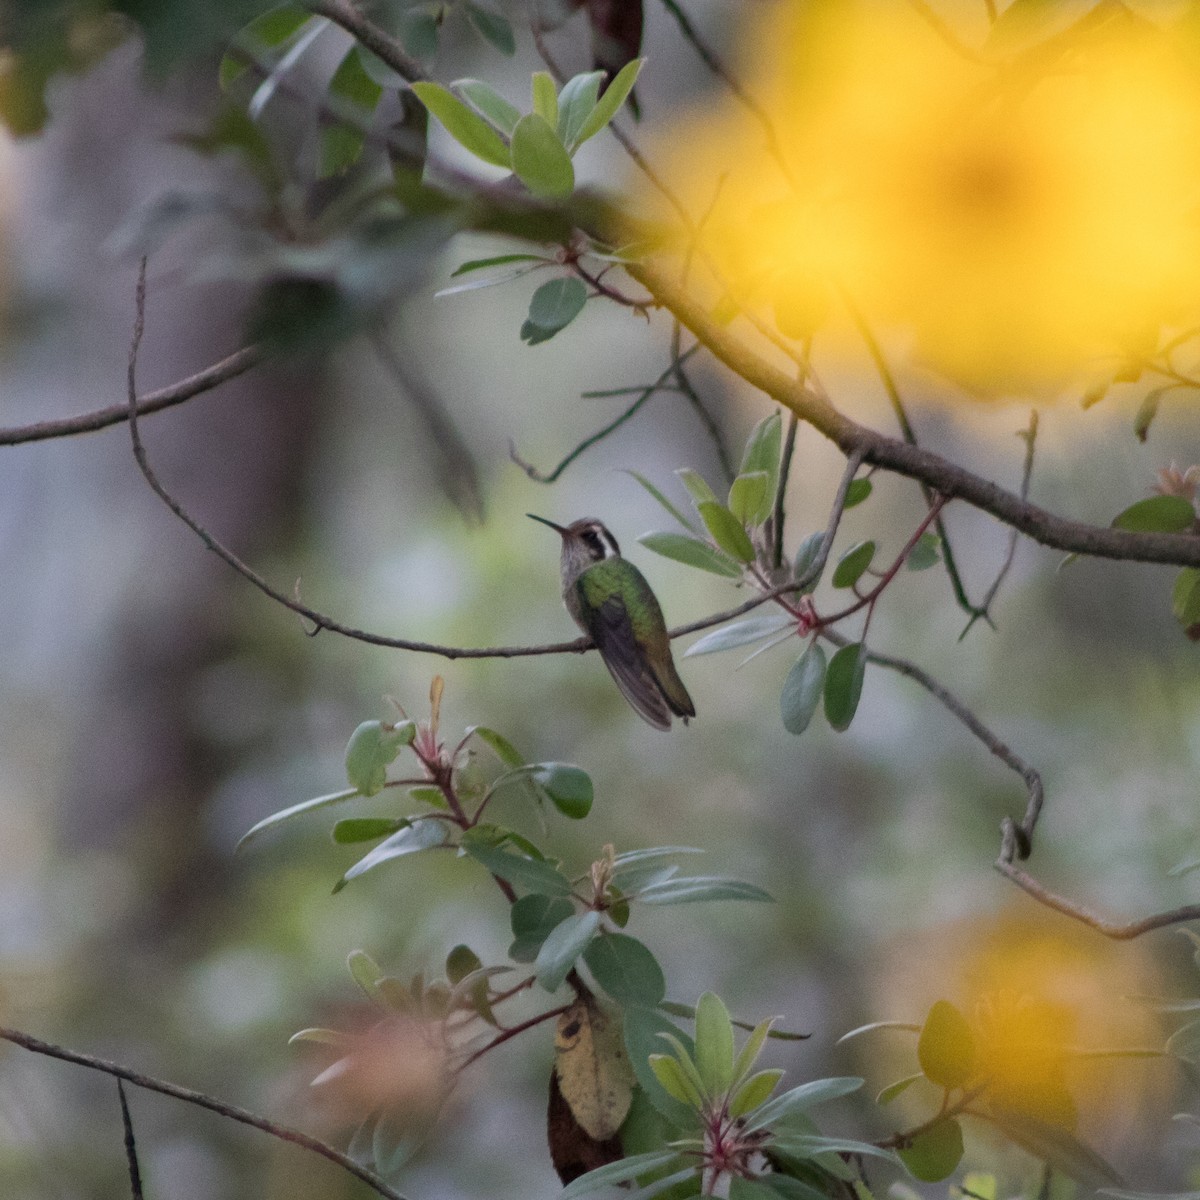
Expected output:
{"points": [[593, 1070]]}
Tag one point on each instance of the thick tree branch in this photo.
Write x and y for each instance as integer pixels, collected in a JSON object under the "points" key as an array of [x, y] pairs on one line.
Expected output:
{"points": [[189, 1096], [948, 478], [221, 372]]}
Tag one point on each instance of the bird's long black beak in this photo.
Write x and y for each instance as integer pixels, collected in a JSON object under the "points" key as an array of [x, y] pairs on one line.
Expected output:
{"points": [[557, 528]]}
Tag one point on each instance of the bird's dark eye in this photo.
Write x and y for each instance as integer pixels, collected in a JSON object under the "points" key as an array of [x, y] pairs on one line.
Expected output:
{"points": [[594, 544]]}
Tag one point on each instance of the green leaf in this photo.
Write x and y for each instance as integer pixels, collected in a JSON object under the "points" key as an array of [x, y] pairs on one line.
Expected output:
{"points": [[463, 124], [645, 1030], [533, 917], [925, 553], [494, 108], [701, 887], [461, 962], [422, 835], [505, 751], [493, 28], [751, 1049], [564, 944], [499, 260], [726, 530], [621, 1171], [544, 95], [740, 633], [700, 492], [575, 104], [372, 746], [755, 1091], [433, 796], [365, 971], [812, 1145], [675, 1081], [663, 501], [946, 1047], [762, 454], [692, 553], [843, 685], [637, 868], [366, 829], [714, 1044], [540, 160], [610, 103], [296, 810], [889, 1093], [341, 144], [626, 970], [1157, 514], [806, 557], [557, 303], [533, 874], [1148, 410], [801, 1099], [802, 690], [270, 31], [935, 1153], [741, 1188], [857, 492], [852, 564], [569, 787], [418, 30], [1185, 597], [748, 499]]}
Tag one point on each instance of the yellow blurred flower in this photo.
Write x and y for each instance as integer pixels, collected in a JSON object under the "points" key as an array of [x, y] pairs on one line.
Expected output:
{"points": [[1021, 214]]}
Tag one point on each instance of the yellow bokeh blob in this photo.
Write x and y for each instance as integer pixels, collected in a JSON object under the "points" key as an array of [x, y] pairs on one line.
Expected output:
{"points": [[1021, 214]]}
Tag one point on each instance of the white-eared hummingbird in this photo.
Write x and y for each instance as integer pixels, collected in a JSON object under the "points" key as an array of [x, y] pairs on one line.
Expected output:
{"points": [[610, 600]]}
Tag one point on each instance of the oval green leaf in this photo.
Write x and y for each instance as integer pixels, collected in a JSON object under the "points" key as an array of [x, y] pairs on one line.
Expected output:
{"points": [[557, 303], [424, 835], [626, 970], [1157, 514], [946, 1047], [569, 787], [565, 943], [852, 564], [575, 104], [857, 492], [366, 829], [934, 1154], [843, 685], [372, 746], [748, 499], [540, 160], [714, 1044], [740, 633], [802, 690]]}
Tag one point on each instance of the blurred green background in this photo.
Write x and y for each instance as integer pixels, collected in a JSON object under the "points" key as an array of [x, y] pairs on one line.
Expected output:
{"points": [[155, 706]]}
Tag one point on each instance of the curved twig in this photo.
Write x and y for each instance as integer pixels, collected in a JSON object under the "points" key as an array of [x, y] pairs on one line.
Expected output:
{"points": [[221, 372], [201, 1100]]}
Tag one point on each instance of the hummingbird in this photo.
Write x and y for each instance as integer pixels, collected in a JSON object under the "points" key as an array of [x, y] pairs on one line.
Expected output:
{"points": [[610, 600]]}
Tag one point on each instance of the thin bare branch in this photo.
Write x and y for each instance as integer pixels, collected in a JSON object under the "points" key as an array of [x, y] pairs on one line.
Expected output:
{"points": [[915, 462], [212, 377], [131, 1158], [1029, 435], [888, 379], [660, 384], [201, 1100], [785, 469], [1118, 931], [458, 472]]}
